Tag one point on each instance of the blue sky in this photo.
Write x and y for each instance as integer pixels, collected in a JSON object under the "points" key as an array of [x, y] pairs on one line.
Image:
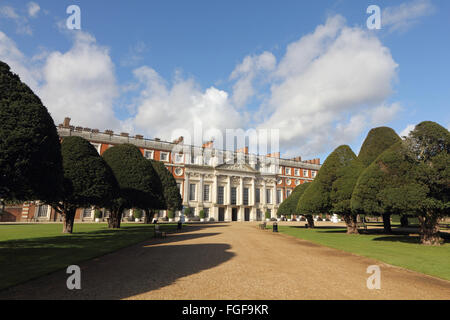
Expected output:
{"points": [[154, 66]]}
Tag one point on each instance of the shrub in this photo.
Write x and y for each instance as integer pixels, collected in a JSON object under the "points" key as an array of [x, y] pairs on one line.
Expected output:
{"points": [[188, 212], [170, 214], [267, 215], [138, 214], [97, 214], [202, 214]]}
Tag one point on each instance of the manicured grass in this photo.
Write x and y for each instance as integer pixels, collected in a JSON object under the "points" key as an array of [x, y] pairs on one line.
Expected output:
{"points": [[32, 250], [399, 250]]}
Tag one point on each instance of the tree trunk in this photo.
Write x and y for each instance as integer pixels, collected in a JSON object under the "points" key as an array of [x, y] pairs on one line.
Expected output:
{"points": [[68, 220], [404, 221], [310, 220], [387, 223], [148, 214], [115, 219], [351, 222], [429, 230]]}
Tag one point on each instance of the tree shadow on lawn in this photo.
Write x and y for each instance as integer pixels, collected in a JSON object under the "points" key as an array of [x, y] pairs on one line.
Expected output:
{"points": [[415, 239], [126, 273], [25, 259]]}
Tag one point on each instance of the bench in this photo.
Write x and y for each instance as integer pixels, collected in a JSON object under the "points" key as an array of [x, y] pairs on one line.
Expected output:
{"points": [[262, 226]]}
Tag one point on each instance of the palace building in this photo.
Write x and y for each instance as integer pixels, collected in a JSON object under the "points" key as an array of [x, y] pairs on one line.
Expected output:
{"points": [[240, 187]]}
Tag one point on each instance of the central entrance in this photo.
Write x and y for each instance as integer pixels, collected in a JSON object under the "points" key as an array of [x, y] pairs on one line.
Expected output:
{"points": [[234, 216]]}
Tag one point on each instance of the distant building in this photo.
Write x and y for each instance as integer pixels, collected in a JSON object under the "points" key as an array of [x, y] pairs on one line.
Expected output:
{"points": [[229, 191]]}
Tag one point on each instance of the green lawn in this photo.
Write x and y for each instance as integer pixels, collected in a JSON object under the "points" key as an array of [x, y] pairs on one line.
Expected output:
{"points": [[399, 250], [30, 251]]}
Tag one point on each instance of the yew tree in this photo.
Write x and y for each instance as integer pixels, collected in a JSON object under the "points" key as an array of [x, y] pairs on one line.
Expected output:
{"points": [[342, 190], [411, 177], [377, 141], [316, 199], [30, 152], [135, 177], [289, 205], [88, 180], [429, 145], [171, 197]]}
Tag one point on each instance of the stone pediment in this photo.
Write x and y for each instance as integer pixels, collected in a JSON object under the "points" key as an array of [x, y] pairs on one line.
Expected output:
{"points": [[236, 167]]}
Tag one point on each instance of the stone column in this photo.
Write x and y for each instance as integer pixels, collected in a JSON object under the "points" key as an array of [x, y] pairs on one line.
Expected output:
{"points": [[214, 190], [229, 191], [274, 198], [200, 193], [252, 201], [264, 193], [186, 189], [241, 191]]}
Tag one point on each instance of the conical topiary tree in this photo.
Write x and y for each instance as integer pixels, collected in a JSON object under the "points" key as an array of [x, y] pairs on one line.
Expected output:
{"points": [[30, 152], [289, 205], [171, 197], [411, 177], [88, 180], [136, 178], [377, 141], [316, 199]]}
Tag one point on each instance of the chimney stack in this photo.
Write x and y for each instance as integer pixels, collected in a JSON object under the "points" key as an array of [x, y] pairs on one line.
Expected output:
{"points": [[274, 155], [208, 144], [243, 150]]}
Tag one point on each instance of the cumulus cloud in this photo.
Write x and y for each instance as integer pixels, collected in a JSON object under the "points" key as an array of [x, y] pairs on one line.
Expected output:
{"points": [[245, 73], [18, 62], [341, 73], [79, 83], [22, 26], [402, 17], [327, 89], [163, 107], [33, 9]]}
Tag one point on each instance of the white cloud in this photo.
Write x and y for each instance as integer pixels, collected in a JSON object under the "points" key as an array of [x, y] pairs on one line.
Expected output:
{"points": [[163, 108], [245, 74], [342, 73], [81, 84], [384, 113], [402, 17], [22, 26], [329, 87], [407, 130], [33, 9], [18, 62]]}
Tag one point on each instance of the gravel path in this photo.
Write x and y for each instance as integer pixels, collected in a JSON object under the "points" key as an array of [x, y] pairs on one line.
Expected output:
{"points": [[232, 261]]}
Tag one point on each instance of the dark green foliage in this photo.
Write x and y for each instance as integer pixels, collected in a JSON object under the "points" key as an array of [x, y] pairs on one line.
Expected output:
{"points": [[30, 154], [342, 188], [388, 183], [88, 180], [376, 142], [171, 194], [289, 205], [411, 177], [136, 178], [316, 199]]}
